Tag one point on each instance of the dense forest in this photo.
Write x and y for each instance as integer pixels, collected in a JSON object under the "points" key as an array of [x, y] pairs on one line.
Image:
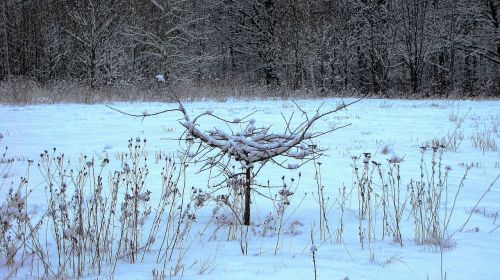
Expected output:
{"points": [[425, 47]]}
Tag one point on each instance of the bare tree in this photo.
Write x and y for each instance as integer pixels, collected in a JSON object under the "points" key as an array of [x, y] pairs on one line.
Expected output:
{"points": [[5, 68], [95, 28], [250, 145], [415, 32], [255, 24]]}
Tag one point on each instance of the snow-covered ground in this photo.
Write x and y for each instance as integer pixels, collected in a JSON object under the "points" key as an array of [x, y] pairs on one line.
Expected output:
{"points": [[401, 127]]}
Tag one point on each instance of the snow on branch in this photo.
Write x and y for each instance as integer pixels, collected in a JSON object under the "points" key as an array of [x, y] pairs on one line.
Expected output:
{"points": [[248, 144], [253, 144]]}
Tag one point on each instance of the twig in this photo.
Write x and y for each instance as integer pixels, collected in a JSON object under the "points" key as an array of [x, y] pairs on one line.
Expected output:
{"points": [[481, 198]]}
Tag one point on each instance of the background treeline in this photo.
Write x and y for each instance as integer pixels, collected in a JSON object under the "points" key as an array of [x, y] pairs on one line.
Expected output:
{"points": [[409, 47]]}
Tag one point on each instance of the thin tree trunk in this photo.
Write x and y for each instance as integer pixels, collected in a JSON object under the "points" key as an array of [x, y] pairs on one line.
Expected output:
{"points": [[92, 67], [5, 39], [248, 183]]}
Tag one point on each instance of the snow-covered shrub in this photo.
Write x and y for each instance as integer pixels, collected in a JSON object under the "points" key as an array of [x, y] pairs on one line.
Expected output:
{"points": [[13, 222], [14, 219]]}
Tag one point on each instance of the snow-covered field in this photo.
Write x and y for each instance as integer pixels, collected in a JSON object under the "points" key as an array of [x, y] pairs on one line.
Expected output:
{"points": [[385, 128]]}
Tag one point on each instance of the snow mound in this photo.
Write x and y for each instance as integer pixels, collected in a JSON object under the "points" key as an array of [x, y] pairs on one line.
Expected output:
{"points": [[160, 78]]}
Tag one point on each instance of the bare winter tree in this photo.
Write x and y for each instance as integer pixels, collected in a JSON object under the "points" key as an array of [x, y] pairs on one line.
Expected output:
{"points": [[416, 33], [479, 44], [255, 145], [95, 30], [254, 30], [4, 49], [161, 40], [250, 145], [376, 41]]}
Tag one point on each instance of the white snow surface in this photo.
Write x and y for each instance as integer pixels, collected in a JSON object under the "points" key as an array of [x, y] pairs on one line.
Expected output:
{"points": [[401, 125]]}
